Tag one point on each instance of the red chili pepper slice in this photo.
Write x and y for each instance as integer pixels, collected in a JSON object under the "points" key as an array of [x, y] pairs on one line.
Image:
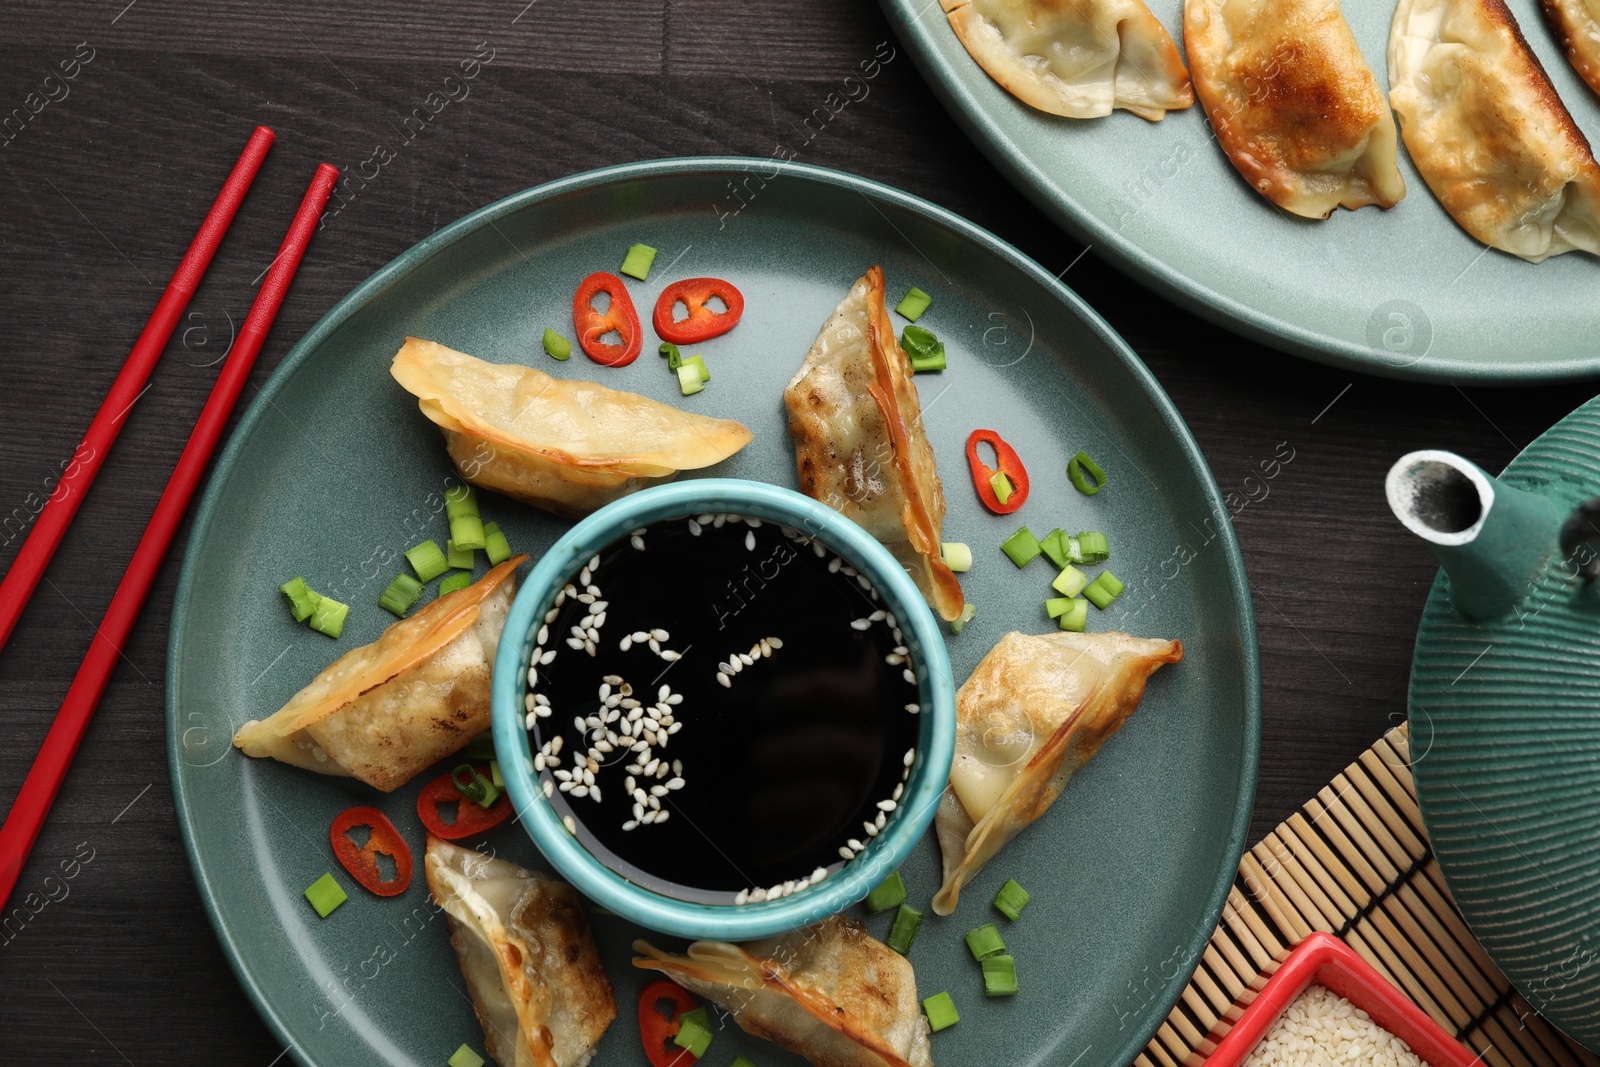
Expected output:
{"points": [[657, 1030], [620, 316], [1010, 465], [362, 861], [702, 323], [471, 817]]}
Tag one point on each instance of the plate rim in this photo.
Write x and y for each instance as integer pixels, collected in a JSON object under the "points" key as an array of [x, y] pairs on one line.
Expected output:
{"points": [[679, 166], [1181, 288]]}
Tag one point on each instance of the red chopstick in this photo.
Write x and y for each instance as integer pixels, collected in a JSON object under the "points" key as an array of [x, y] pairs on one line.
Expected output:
{"points": [[44, 779], [26, 570]]}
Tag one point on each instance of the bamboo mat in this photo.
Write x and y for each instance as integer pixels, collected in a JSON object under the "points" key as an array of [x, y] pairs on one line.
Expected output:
{"points": [[1355, 862]]}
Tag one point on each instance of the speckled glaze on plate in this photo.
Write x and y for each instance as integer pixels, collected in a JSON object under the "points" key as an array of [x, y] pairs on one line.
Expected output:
{"points": [[1505, 736], [333, 472], [1403, 294]]}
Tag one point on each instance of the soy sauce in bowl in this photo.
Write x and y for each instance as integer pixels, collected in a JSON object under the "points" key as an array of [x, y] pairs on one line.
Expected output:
{"points": [[722, 709]]}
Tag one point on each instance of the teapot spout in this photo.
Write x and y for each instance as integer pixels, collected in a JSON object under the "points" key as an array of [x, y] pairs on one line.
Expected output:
{"points": [[1491, 538]]}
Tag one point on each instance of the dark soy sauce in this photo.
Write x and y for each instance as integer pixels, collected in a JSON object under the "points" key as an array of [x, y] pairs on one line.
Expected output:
{"points": [[781, 767]]}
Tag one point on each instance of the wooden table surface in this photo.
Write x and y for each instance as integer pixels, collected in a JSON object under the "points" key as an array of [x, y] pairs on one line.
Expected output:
{"points": [[102, 188]]}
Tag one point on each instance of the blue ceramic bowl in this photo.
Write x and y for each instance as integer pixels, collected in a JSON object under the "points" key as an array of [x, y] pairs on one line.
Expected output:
{"points": [[935, 745]]}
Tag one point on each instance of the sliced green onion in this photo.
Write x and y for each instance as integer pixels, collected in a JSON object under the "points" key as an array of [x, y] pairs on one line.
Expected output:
{"points": [[956, 556], [458, 580], [329, 616], [636, 264], [742, 1061], [1001, 484], [1000, 976], [1093, 547], [968, 612], [1076, 617], [479, 748], [985, 941], [427, 561], [1103, 590], [941, 1011], [1054, 546], [466, 531], [1086, 475], [1022, 547], [556, 346], [890, 894], [460, 500], [694, 1032], [924, 349], [458, 557], [1057, 606], [699, 364], [325, 894], [907, 921], [913, 304], [674, 357], [689, 382], [495, 545], [1070, 581], [1010, 900], [403, 592], [477, 788], [494, 774], [302, 601], [464, 1057]]}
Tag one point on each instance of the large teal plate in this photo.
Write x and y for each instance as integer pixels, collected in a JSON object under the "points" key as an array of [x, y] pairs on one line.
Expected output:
{"points": [[332, 473], [1505, 736], [1404, 293]]}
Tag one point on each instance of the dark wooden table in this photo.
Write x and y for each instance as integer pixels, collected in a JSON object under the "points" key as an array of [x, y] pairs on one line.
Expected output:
{"points": [[103, 184]]}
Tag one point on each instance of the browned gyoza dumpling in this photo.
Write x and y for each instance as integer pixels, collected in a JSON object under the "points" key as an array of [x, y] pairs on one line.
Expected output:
{"points": [[1034, 711], [1293, 103], [828, 992], [859, 444], [1078, 58], [1487, 131], [385, 711], [1577, 24], [528, 956], [566, 446]]}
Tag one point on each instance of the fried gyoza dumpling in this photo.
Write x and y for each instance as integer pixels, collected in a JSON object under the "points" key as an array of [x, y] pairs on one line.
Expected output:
{"points": [[384, 711], [566, 446], [528, 956], [1293, 103], [1078, 58], [828, 992], [1034, 711], [1488, 132], [859, 445], [1576, 23]]}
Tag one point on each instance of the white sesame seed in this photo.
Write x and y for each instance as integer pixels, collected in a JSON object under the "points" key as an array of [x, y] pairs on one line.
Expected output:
{"points": [[675, 699], [538, 761], [872, 830], [723, 668], [817, 547], [750, 540], [855, 845], [566, 787], [898, 789], [861, 580], [529, 719], [860, 624], [588, 646], [654, 711], [757, 895], [883, 817], [605, 687], [650, 768], [614, 700], [818, 875], [705, 520], [663, 770], [573, 642], [909, 757], [834, 564], [676, 783], [631, 824], [549, 788], [578, 723], [640, 636], [747, 659], [637, 542], [845, 853], [727, 683], [877, 616], [580, 790], [638, 812], [674, 728], [603, 745], [655, 804], [893, 660], [555, 744], [658, 790], [851, 571], [717, 522], [583, 576], [639, 795], [669, 655], [548, 657], [529, 703], [626, 643], [564, 776], [694, 528], [913, 708], [742, 897], [655, 646], [586, 598], [909, 675], [886, 805], [550, 616], [571, 824], [774, 642]]}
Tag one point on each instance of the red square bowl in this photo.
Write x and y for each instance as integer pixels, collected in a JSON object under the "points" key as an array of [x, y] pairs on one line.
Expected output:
{"points": [[1324, 960]]}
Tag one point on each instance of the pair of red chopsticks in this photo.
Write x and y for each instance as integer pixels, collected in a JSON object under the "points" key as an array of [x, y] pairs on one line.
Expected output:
{"points": [[27, 814]]}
